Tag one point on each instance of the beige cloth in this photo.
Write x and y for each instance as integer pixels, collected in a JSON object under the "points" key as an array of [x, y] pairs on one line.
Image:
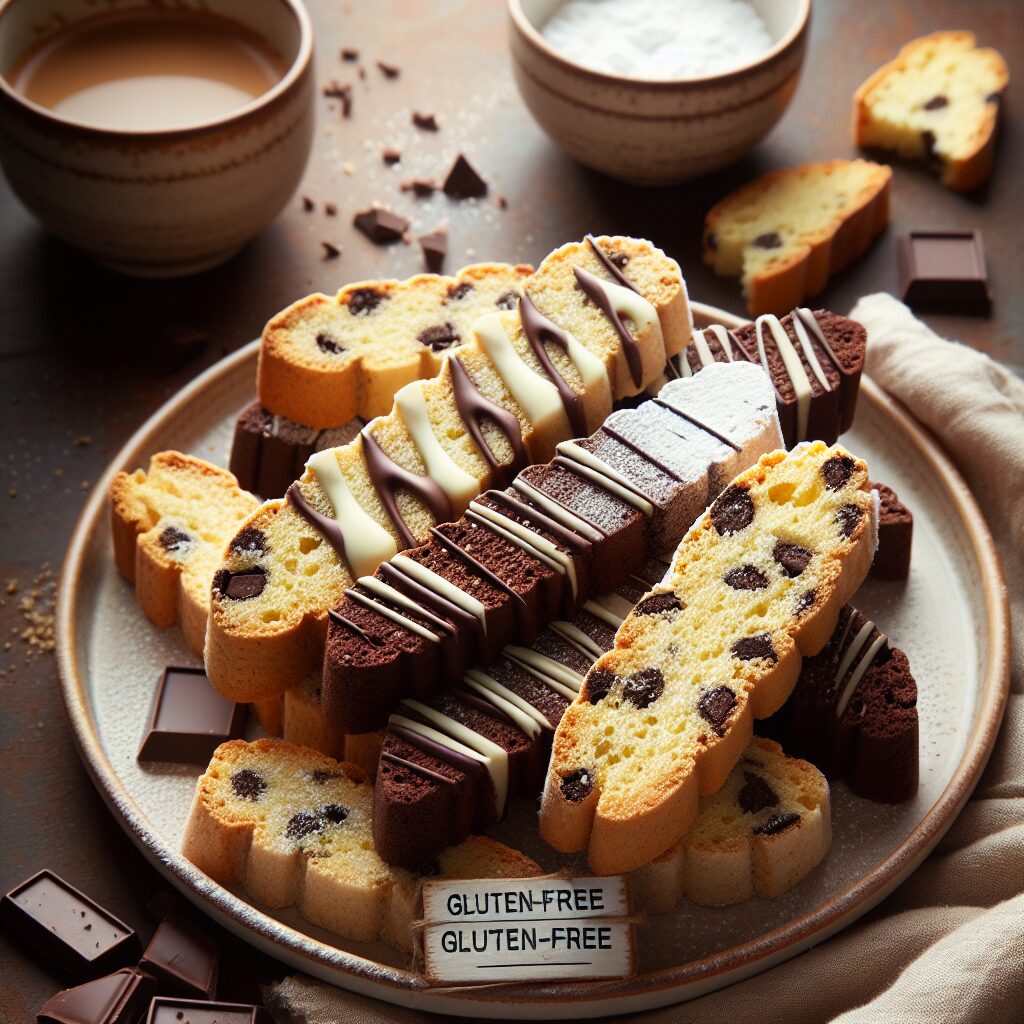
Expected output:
{"points": [[948, 945]]}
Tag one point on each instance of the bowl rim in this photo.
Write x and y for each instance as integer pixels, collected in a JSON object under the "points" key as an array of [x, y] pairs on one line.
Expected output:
{"points": [[298, 67], [526, 29]]}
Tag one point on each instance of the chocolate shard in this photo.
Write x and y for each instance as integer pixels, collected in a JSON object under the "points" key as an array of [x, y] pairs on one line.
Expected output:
{"points": [[435, 248], [463, 181], [119, 998], [391, 156], [388, 70], [183, 959], [421, 188], [425, 122], [169, 1010], [381, 226], [72, 931], [944, 271], [190, 719]]}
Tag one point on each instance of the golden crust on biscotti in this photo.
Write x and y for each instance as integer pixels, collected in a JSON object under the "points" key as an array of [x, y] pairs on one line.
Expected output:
{"points": [[266, 643], [326, 360], [788, 231], [756, 584], [938, 100], [294, 827], [760, 834], [170, 525]]}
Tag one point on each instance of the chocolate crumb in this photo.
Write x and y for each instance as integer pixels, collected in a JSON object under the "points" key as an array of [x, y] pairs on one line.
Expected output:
{"points": [[425, 122], [331, 251], [308, 205], [435, 248], [388, 70], [380, 226], [348, 53], [502, 203], [391, 156], [463, 181], [420, 187], [330, 209]]}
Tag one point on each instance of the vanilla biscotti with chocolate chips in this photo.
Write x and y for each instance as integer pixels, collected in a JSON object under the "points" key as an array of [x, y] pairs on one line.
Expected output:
{"points": [[294, 827], [755, 585], [170, 526], [528, 379]]}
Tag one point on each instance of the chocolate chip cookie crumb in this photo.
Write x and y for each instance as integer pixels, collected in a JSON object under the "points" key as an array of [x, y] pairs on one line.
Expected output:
{"points": [[331, 252], [388, 70], [425, 122]]}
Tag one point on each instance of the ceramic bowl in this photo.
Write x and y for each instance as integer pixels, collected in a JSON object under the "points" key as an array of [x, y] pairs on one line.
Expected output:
{"points": [[160, 203], [657, 132]]}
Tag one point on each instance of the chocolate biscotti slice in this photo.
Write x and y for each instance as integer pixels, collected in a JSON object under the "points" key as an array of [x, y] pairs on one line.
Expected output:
{"points": [[787, 232], [294, 827], [937, 101], [813, 357], [756, 584], [763, 832], [528, 379], [895, 536], [853, 712], [170, 526]]}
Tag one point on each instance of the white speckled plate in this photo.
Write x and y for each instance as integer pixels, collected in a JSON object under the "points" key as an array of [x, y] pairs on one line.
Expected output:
{"points": [[950, 617]]}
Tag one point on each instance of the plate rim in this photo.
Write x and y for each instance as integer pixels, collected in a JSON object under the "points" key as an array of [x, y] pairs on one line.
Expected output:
{"points": [[657, 988]]}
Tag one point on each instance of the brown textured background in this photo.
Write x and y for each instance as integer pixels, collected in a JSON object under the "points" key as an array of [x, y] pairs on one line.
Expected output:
{"points": [[87, 354]]}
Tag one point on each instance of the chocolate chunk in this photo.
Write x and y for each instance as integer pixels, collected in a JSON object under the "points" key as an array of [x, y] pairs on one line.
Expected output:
{"points": [[248, 784], [837, 471], [577, 785], [848, 516], [421, 188], [732, 510], [937, 103], [748, 648], [173, 539], [944, 271], [334, 813], [463, 182], [746, 577], [307, 204], [391, 156], [250, 541], [303, 824], [805, 601], [792, 557], [659, 604], [435, 248], [598, 685], [183, 959], [119, 998], [769, 240], [348, 53], [425, 122], [69, 929], [331, 251], [242, 585], [382, 227], [364, 300], [756, 794], [327, 345], [459, 291], [330, 209], [170, 1010], [715, 706], [777, 823], [389, 70], [507, 300], [439, 337], [643, 688], [189, 719]]}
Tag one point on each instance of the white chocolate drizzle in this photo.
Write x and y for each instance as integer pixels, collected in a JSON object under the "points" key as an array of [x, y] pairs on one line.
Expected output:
{"points": [[629, 303], [430, 579], [856, 661], [557, 512], [385, 592], [791, 361], [703, 350], [556, 675], [572, 634], [610, 608], [390, 613], [597, 471], [526, 717]]}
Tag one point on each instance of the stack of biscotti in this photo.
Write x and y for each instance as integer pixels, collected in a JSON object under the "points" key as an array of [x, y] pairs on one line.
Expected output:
{"points": [[663, 718], [563, 532], [293, 826], [813, 357], [526, 380], [328, 365]]}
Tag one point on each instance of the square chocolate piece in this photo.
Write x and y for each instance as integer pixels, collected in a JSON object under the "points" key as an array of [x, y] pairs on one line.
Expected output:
{"points": [[944, 270], [193, 1011], [183, 960], [190, 719], [69, 929]]}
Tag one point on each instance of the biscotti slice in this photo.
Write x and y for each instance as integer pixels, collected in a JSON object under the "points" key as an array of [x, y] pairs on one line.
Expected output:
{"points": [[756, 583], [895, 536], [854, 712], [170, 527], [937, 101], [814, 359], [293, 826], [764, 831], [787, 232], [326, 360], [499, 402]]}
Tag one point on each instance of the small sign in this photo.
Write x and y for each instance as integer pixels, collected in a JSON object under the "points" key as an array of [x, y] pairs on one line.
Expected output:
{"points": [[527, 929]]}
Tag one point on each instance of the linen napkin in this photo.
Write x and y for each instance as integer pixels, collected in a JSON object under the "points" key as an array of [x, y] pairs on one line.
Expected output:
{"points": [[948, 945]]}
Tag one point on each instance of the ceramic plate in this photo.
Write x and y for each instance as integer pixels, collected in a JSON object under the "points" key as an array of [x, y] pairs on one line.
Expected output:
{"points": [[950, 618]]}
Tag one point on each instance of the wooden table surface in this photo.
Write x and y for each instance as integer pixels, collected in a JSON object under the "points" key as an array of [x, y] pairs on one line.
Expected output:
{"points": [[86, 355]]}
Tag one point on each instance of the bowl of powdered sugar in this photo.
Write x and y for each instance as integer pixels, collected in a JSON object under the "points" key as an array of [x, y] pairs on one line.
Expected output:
{"points": [[657, 91]]}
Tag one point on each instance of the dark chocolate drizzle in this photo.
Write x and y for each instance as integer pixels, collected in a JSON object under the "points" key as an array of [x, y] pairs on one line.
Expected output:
{"points": [[457, 760], [625, 442], [336, 616], [372, 602], [326, 525], [419, 769], [539, 329], [485, 707], [429, 618], [474, 408], [612, 269], [573, 467], [591, 286], [565, 536], [801, 314], [699, 424], [463, 620], [475, 564], [388, 478]]}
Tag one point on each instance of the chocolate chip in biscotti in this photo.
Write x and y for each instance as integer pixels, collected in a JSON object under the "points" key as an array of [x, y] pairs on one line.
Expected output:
{"points": [[248, 784], [756, 794], [598, 685], [936, 103], [438, 337], [769, 240], [173, 539], [577, 786], [732, 510], [240, 586], [334, 813], [837, 471], [463, 182], [328, 345], [250, 541], [777, 823], [659, 604], [435, 248], [364, 301], [715, 706], [748, 648], [848, 516], [507, 300], [792, 557], [746, 577], [805, 601], [459, 291], [302, 824], [643, 688], [382, 227]]}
